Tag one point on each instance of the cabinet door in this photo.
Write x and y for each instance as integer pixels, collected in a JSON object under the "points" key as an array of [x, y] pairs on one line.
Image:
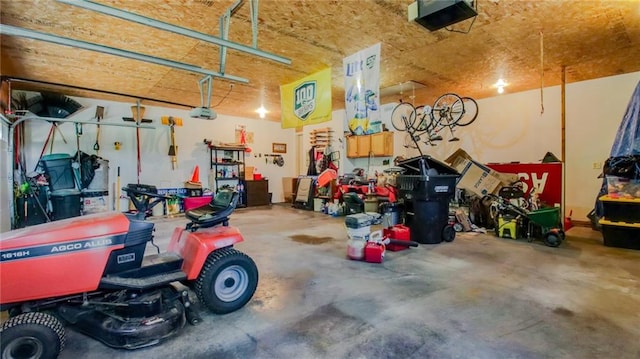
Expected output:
{"points": [[382, 144], [364, 145], [257, 193], [358, 146], [352, 146]]}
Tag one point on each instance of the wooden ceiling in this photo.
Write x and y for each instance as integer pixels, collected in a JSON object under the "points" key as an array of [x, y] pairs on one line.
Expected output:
{"points": [[591, 38]]}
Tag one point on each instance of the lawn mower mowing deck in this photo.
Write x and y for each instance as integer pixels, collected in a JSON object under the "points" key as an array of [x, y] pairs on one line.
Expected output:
{"points": [[91, 273]]}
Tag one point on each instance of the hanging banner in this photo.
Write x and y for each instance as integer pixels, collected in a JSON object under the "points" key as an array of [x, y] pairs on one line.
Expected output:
{"points": [[306, 101], [362, 90]]}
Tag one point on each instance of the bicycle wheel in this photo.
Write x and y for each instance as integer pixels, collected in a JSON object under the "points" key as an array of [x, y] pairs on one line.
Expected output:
{"points": [[470, 112], [403, 116], [448, 109]]}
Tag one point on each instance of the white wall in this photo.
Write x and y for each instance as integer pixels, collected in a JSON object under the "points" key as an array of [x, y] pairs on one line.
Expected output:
{"points": [[154, 144]]}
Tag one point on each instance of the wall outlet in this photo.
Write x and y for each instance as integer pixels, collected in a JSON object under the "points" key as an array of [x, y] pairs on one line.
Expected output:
{"points": [[597, 165]]}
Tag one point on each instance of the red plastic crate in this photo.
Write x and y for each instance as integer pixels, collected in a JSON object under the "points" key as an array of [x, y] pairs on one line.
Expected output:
{"points": [[195, 202]]}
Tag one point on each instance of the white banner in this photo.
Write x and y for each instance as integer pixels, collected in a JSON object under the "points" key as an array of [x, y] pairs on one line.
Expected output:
{"points": [[362, 90]]}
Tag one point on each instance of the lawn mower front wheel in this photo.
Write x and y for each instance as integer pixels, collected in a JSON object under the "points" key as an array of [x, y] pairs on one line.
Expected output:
{"points": [[32, 335], [227, 281]]}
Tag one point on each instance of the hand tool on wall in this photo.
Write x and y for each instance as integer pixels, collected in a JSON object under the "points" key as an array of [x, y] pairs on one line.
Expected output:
{"points": [[99, 115], [277, 159], [138, 114], [78, 134], [117, 196], [172, 122]]}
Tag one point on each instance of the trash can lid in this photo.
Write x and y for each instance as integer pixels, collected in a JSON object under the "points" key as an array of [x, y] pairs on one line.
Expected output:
{"points": [[412, 166]]}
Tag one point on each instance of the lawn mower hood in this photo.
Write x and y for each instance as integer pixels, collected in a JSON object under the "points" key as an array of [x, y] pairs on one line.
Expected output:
{"points": [[63, 257]]}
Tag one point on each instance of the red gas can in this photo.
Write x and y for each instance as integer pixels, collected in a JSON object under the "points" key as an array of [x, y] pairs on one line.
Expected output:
{"points": [[374, 252], [398, 232]]}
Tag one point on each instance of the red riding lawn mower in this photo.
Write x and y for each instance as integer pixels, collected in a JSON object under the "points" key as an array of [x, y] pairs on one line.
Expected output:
{"points": [[91, 273]]}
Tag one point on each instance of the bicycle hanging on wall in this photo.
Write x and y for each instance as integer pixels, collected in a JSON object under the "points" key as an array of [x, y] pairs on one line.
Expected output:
{"points": [[425, 123]]}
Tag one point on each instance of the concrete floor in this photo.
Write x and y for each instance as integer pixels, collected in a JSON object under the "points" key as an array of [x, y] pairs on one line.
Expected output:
{"points": [[477, 297]]}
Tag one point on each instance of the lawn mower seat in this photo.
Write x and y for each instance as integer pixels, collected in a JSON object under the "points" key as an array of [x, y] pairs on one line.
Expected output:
{"points": [[214, 213]]}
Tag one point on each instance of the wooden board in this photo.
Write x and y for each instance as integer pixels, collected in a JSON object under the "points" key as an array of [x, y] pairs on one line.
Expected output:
{"points": [[593, 39]]}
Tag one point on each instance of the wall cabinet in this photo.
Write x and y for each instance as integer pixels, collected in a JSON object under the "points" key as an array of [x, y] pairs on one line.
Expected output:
{"points": [[378, 144], [358, 146], [382, 144]]}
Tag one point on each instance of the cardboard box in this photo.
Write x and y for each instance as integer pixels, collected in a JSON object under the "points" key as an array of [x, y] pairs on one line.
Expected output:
{"points": [[95, 204], [248, 173], [193, 185], [475, 179], [288, 186], [460, 155]]}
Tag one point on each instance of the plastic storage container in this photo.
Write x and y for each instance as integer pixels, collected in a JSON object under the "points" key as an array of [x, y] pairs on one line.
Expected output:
{"points": [[358, 220], [58, 170], [620, 234], [621, 209], [65, 204], [195, 202]]}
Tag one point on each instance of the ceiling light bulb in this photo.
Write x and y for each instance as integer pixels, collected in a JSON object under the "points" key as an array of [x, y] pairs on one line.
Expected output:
{"points": [[500, 89], [501, 83], [262, 111]]}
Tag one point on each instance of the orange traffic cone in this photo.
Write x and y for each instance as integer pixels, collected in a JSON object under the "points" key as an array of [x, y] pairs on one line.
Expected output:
{"points": [[195, 177]]}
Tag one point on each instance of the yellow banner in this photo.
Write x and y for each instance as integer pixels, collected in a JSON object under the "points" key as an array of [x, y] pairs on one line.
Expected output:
{"points": [[306, 101]]}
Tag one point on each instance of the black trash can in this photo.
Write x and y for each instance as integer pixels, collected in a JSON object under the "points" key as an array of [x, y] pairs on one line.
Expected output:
{"points": [[427, 198], [429, 222], [428, 217]]}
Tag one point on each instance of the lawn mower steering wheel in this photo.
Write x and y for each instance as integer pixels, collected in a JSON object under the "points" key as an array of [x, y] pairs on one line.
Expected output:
{"points": [[144, 201]]}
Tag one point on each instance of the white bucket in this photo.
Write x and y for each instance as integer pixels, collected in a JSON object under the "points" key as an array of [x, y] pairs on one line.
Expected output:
{"points": [[355, 248], [317, 204], [362, 232]]}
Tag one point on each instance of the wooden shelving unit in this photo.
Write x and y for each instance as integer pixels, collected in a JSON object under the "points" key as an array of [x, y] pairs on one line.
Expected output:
{"points": [[321, 138]]}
